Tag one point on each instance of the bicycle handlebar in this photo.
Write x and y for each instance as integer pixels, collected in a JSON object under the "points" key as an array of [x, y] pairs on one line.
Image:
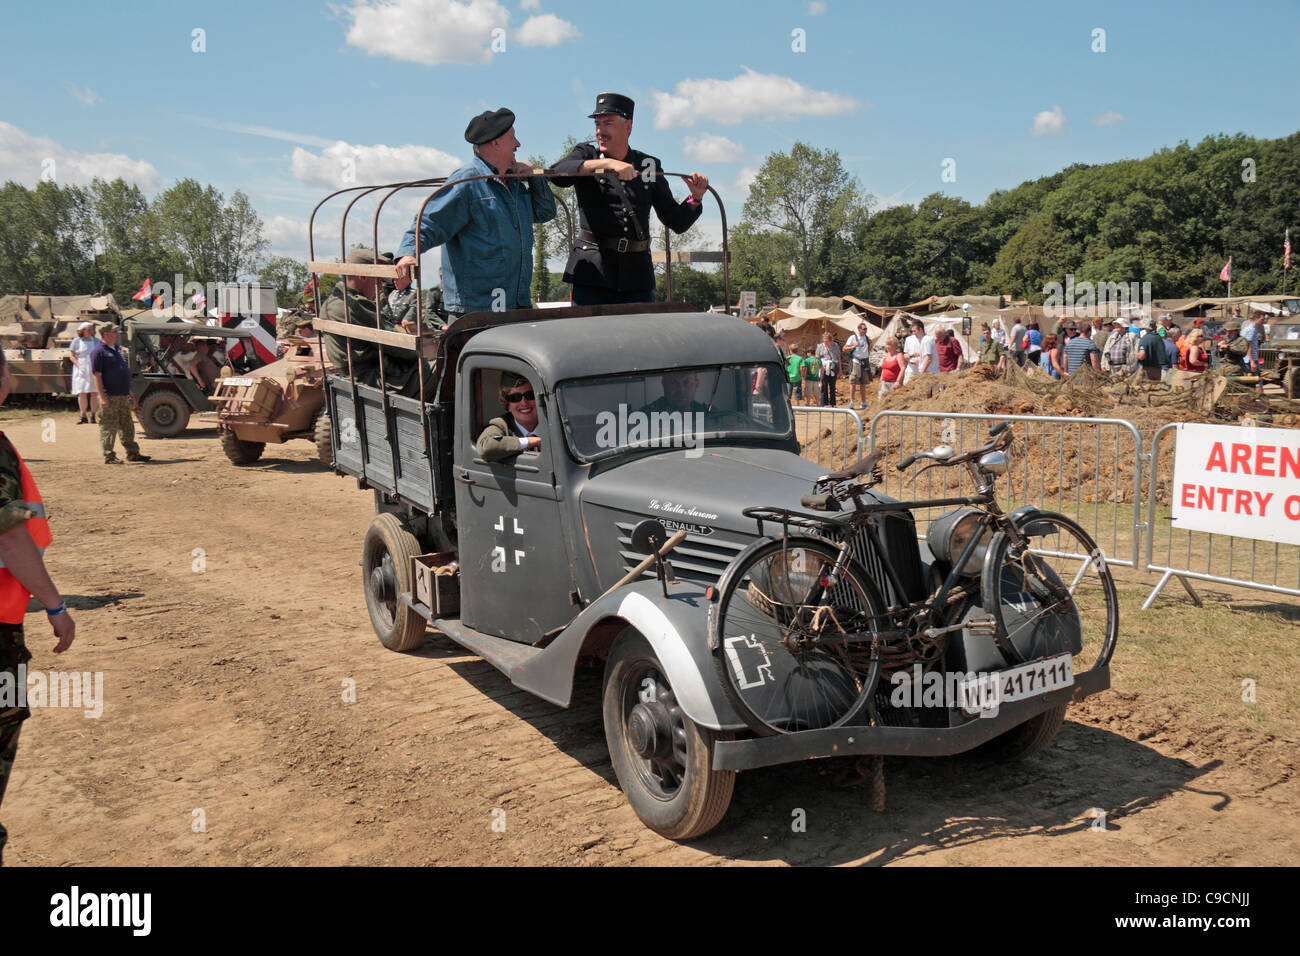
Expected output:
{"points": [[994, 433]]}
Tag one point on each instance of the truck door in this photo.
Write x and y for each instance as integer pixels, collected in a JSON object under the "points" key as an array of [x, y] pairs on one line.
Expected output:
{"points": [[516, 573]]}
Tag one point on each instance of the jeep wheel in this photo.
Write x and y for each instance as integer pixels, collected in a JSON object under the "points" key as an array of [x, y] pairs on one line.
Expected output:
{"points": [[241, 452], [164, 414], [1291, 384], [324, 445], [663, 759], [385, 574], [1026, 739]]}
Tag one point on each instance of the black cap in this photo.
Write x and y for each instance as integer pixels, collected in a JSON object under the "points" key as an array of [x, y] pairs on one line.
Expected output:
{"points": [[615, 103], [488, 125]]}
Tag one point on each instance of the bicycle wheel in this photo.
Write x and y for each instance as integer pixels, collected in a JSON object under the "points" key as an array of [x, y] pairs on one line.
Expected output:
{"points": [[791, 652], [1054, 597]]}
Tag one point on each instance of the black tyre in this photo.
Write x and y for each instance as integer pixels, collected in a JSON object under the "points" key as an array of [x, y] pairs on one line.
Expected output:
{"points": [[1291, 383], [791, 652], [1028, 738], [663, 759], [1055, 596], [241, 452], [324, 445], [163, 414], [385, 574]]}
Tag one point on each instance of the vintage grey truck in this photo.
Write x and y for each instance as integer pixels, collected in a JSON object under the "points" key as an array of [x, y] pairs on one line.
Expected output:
{"points": [[667, 481]]}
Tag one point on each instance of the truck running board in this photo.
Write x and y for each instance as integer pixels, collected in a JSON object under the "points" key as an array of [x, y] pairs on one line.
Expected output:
{"points": [[509, 657]]}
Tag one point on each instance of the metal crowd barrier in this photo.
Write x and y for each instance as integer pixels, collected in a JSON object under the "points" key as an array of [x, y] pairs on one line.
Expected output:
{"points": [[831, 436], [1202, 556], [1068, 465]]}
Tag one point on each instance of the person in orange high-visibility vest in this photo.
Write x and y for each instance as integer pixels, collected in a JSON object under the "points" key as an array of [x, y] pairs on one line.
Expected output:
{"points": [[24, 536]]}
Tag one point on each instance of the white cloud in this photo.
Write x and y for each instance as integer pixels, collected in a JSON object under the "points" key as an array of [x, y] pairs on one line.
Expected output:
{"points": [[708, 148], [85, 94], [344, 164], [530, 5], [1108, 118], [546, 30], [427, 31], [816, 8], [745, 177], [1048, 121], [285, 232], [25, 159], [751, 94]]}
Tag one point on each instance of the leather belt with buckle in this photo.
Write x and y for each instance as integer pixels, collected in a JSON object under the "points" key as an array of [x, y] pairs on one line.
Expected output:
{"points": [[616, 245]]}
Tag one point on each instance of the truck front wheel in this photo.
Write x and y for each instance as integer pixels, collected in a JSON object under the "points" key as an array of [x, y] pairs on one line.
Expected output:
{"points": [[663, 759], [386, 574], [1026, 739]]}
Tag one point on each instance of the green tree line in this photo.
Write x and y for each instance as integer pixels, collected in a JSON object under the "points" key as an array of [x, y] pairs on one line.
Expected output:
{"points": [[1171, 219], [106, 237]]}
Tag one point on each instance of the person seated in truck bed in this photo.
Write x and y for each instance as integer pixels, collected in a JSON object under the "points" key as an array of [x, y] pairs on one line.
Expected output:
{"points": [[516, 429], [401, 367]]}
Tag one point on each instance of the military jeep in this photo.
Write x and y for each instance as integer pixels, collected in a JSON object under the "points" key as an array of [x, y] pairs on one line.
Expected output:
{"points": [[1279, 358], [165, 392]]}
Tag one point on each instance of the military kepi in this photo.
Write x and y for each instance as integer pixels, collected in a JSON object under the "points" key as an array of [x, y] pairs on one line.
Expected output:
{"points": [[615, 103], [488, 125]]}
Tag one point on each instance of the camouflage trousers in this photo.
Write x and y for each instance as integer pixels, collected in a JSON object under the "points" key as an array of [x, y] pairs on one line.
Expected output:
{"points": [[13, 652], [114, 420]]}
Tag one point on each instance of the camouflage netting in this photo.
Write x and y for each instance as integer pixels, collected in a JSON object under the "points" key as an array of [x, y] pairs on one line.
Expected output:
{"points": [[1044, 463]]}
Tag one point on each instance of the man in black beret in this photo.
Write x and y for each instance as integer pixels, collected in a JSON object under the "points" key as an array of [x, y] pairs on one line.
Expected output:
{"points": [[485, 227], [610, 261]]}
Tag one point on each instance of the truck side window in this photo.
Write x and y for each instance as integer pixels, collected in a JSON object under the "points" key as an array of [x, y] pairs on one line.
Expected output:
{"points": [[507, 416]]}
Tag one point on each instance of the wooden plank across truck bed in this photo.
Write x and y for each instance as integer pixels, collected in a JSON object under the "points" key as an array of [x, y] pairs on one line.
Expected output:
{"points": [[369, 426]]}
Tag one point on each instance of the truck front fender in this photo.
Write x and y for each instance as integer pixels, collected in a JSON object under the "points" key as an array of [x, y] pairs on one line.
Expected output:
{"points": [[676, 628]]}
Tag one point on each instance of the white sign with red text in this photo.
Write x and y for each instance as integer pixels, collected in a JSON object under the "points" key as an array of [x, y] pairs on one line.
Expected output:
{"points": [[1238, 480]]}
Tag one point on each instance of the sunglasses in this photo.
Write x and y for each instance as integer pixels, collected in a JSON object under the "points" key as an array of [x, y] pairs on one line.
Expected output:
{"points": [[516, 397]]}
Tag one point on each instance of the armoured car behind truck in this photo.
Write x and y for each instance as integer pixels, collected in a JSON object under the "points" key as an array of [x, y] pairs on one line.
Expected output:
{"points": [[611, 542], [276, 403]]}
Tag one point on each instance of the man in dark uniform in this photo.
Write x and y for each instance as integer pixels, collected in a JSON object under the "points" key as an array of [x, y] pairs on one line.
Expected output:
{"points": [[610, 261]]}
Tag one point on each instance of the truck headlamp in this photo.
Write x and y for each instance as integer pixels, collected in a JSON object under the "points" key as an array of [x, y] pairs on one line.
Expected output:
{"points": [[949, 534]]}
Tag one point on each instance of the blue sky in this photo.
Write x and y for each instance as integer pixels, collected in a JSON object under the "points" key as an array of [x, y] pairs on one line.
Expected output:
{"points": [[283, 93]]}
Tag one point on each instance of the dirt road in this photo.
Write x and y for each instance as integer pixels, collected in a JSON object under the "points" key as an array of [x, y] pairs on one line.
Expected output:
{"points": [[224, 608]]}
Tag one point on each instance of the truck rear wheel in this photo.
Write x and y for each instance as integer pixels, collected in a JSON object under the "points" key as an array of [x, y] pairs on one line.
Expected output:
{"points": [[241, 452], [324, 445], [164, 414], [385, 575], [662, 758]]}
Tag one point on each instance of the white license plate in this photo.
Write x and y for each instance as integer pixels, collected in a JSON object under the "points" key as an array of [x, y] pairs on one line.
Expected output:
{"points": [[982, 692], [238, 382]]}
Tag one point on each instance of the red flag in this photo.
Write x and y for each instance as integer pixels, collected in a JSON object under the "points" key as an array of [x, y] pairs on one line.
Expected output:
{"points": [[311, 287], [1286, 248], [145, 294], [1226, 274]]}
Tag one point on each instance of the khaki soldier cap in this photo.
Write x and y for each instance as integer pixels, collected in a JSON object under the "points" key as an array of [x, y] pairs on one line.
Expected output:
{"points": [[108, 327], [361, 257], [1233, 326]]}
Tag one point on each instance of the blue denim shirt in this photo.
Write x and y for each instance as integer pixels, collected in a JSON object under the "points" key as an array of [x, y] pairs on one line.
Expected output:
{"points": [[486, 233]]}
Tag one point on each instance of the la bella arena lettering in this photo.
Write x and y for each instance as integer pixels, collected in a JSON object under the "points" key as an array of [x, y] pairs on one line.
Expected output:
{"points": [[1238, 480]]}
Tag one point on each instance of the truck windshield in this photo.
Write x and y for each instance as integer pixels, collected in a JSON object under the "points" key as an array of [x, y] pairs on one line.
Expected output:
{"points": [[679, 408]]}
